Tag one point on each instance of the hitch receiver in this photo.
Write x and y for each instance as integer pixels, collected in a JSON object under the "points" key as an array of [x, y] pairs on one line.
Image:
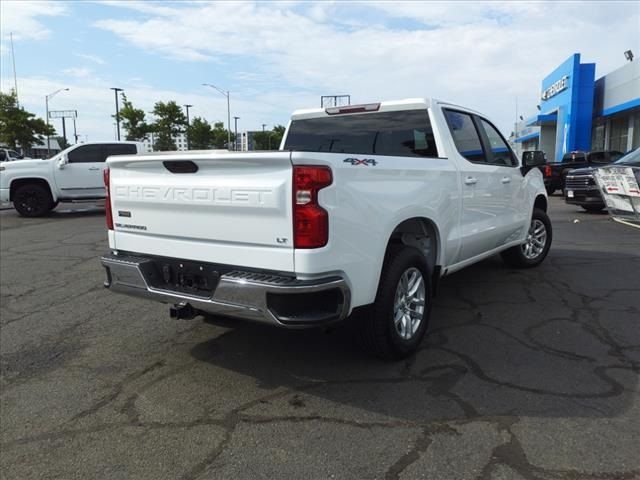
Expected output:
{"points": [[182, 311]]}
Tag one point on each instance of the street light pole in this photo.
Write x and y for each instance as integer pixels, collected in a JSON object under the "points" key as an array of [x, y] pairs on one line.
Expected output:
{"points": [[115, 91], [235, 139], [226, 94], [187, 135], [46, 103]]}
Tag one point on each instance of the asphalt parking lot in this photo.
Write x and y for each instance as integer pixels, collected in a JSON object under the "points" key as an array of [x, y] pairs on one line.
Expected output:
{"points": [[524, 374]]}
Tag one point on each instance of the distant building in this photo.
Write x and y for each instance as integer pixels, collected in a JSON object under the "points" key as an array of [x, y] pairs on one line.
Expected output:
{"points": [[576, 111], [39, 150], [246, 143], [180, 140]]}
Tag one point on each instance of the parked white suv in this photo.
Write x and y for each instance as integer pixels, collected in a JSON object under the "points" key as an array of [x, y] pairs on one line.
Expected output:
{"points": [[36, 186], [361, 213]]}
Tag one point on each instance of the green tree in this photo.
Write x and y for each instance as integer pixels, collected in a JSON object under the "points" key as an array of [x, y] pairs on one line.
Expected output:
{"points": [[62, 142], [133, 120], [220, 136], [276, 136], [170, 121], [200, 134], [19, 127]]}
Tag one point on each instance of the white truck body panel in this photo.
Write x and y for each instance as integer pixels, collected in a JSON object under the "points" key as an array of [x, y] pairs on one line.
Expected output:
{"points": [[234, 210], [237, 209]]}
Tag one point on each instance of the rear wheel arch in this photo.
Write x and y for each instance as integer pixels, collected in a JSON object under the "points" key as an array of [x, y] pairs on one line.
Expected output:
{"points": [[422, 234], [540, 203]]}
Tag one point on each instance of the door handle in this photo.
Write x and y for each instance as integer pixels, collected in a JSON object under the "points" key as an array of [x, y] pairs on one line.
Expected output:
{"points": [[93, 169], [506, 180], [470, 181]]}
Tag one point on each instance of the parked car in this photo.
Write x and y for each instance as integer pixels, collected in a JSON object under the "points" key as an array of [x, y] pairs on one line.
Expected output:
{"points": [[580, 184], [360, 214], [555, 173], [36, 186], [8, 155]]}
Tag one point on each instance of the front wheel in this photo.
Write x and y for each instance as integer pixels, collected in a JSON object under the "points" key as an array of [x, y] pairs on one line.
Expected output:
{"points": [[536, 246], [396, 323], [32, 200]]}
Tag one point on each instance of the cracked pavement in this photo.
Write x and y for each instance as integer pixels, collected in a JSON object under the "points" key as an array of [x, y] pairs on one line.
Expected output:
{"points": [[525, 374]]}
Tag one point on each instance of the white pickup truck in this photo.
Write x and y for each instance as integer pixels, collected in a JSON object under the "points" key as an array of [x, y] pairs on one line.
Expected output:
{"points": [[359, 214], [36, 186]]}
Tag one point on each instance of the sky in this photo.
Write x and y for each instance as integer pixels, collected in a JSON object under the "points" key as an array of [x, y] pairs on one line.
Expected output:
{"points": [[276, 57]]}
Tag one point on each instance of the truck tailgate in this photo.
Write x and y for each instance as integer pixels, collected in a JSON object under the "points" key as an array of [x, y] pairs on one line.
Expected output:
{"points": [[235, 209]]}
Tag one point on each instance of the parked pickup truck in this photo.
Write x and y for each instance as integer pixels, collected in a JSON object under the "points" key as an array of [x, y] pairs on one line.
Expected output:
{"points": [[359, 214], [555, 173], [36, 186]]}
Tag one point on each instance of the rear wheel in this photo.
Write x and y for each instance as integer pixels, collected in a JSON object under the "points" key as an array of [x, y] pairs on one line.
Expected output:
{"points": [[536, 246], [396, 323], [550, 191], [32, 200]]}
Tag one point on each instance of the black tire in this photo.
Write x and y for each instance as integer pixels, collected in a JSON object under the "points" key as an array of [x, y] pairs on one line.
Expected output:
{"points": [[516, 257], [550, 191], [593, 208], [32, 200], [377, 331]]}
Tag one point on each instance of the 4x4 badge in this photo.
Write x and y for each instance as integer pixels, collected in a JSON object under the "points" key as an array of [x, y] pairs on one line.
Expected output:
{"points": [[357, 161]]}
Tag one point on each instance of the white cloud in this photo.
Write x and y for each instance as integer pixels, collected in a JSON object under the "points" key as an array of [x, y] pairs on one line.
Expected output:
{"points": [[478, 54], [78, 72], [283, 56], [21, 18], [92, 58]]}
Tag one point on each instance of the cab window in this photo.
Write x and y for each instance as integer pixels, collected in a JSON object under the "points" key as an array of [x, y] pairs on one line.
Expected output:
{"points": [[500, 151], [465, 136], [86, 154]]}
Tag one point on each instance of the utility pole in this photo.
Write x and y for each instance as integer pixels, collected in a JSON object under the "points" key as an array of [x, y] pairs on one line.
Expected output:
{"points": [[64, 131], [15, 78], [187, 133], [115, 91], [235, 140], [226, 94], [263, 125], [75, 133]]}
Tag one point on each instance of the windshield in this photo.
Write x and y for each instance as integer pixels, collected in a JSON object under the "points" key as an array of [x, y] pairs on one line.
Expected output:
{"points": [[632, 159]]}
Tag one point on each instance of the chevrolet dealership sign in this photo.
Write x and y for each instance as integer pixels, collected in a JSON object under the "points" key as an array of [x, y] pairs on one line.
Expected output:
{"points": [[555, 88]]}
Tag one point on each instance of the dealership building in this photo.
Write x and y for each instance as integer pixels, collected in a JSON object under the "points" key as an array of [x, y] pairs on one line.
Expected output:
{"points": [[578, 112]]}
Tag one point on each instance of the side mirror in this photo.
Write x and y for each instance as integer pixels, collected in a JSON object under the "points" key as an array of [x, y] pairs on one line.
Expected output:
{"points": [[62, 162]]}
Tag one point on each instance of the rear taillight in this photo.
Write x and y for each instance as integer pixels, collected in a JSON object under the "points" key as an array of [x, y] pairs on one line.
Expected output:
{"points": [[310, 220], [547, 171], [107, 201]]}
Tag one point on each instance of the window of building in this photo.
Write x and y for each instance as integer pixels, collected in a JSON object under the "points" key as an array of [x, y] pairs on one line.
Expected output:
{"points": [[465, 136], [635, 143], [597, 137], [619, 133]]}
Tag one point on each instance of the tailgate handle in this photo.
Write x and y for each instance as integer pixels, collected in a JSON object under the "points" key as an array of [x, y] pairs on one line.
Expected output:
{"points": [[180, 166]]}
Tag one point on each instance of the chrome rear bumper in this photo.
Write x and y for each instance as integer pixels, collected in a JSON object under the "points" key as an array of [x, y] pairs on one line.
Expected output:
{"points": [[261, 297]]}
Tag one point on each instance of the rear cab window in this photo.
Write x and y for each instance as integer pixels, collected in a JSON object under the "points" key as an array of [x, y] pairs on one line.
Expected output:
{"points": [[403, 133]]}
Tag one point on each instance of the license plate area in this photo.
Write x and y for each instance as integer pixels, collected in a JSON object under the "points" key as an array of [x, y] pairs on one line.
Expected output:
{"points": [[181, 276], [570, 194]]}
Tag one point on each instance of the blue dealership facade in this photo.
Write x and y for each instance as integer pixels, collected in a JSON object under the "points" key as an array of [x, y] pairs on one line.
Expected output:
{"points": [[579, 112]]}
